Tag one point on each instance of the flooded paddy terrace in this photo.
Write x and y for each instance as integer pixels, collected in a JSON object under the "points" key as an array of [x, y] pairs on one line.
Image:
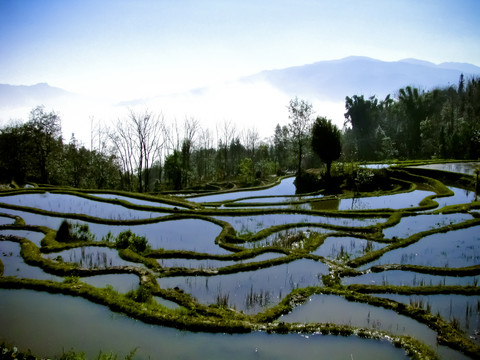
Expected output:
{"points": [[288, 275]]}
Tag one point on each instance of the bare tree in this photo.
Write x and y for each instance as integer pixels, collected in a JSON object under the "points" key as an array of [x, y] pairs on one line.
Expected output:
{"points": [[225, 134], [190, 127], [138, 142]]}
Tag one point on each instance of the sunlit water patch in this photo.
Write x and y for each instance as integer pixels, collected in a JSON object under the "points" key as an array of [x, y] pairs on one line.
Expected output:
{"points": [[214, 263], [121, 283], [453, 249], [410, 278], [413, 224], [34, 236], [90, 257], [71, 320], [70, 204], [396, 201], [346, 248], [335, 309], [463, 311], [250, 291], [14, 265]]}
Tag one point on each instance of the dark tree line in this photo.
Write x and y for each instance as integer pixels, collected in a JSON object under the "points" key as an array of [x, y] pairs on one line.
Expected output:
{"points": [[441, 123]]}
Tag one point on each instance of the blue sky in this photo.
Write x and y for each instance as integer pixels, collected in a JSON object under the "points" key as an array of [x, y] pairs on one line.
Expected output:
{"points": [[130, 49]]}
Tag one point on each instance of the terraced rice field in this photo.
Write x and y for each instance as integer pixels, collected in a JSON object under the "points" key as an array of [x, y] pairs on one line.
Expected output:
{"points": [[252, 274]]}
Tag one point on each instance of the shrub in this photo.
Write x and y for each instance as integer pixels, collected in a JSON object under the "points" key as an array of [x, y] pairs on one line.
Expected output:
{"points": [[127, 239]]}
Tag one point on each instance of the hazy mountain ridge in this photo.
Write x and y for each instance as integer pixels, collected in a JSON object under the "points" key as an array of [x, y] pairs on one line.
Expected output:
{"points": [[257, 101], [335, 79], [26, 95]]}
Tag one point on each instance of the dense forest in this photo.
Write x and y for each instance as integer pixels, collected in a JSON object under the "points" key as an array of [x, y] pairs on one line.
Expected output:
{"points": [[143, 152]]}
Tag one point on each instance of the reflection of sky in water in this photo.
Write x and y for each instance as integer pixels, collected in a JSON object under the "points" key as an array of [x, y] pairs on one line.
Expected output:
{"points": [[463, 308], [134, 200], [396, 201], [332, 247], [270, 284], [6, 220], [463, 168], [413, 224], [70, 204], [408, 278], [185, 234], [458, 248], [15, 266], [255, 223], [460, 196], [286, 187], [34, 236], [213, 263], [121, 333], [337, 310], [121, 283], [91, 257]]}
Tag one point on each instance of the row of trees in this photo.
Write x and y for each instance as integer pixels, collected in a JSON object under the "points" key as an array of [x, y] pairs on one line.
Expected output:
{"points": [[141, 152], [144, 152], [442, 123]]}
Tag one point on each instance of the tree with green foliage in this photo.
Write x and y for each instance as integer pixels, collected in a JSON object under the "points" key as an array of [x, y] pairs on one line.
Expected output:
{"points": [[45, 133], [326, 141], [300, 113], [415, 111], [362, 115]]}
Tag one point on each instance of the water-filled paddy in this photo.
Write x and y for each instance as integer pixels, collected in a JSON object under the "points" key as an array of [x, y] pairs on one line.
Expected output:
{"points": [[213, 263], [286, 187], [410, 278], [255, 223], [335, 309], [4, 220], [413, 224], [467, 168], [250, 291], [90, 257], [121, 283], [70, 204], [396, 201], [185, 234], [291, 239], [70, 321], [453, 249], [34, 236], [465, 310], [14, 265], [346, 247], [135, 201]]}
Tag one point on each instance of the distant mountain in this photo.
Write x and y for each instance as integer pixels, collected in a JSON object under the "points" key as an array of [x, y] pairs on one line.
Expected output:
{"points": [[333, 80], [14, 96]]}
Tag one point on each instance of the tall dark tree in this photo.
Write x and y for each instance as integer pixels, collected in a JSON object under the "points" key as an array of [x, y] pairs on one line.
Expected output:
{"points": [[45, 132], [415, 111], [326, 141], [362, 115]]}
